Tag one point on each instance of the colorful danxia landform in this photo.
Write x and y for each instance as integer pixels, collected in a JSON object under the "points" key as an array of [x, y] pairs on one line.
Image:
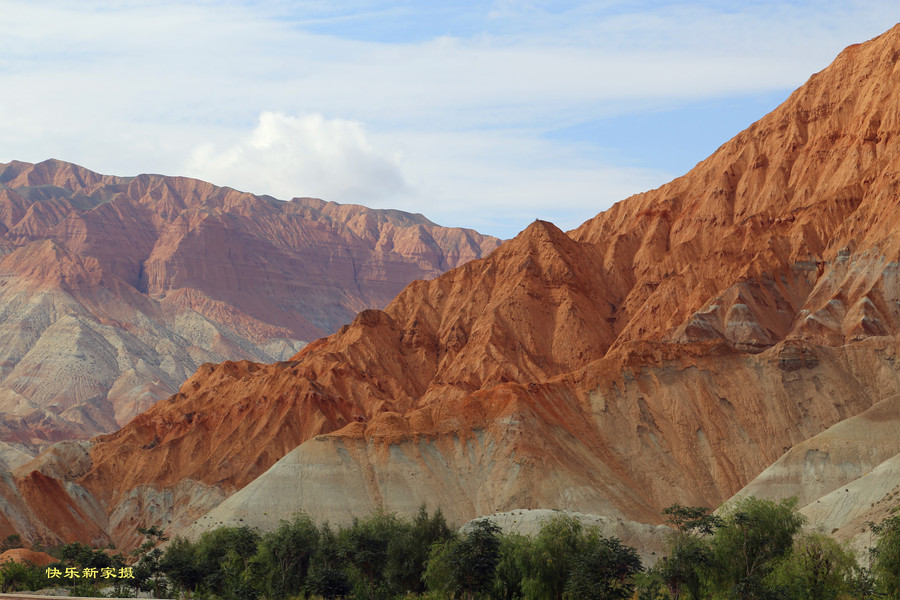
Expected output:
{"points": [[674, 348]]}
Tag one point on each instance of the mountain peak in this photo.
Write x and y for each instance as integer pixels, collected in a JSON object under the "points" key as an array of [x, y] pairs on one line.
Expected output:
{"points": [[125, 285], [652, 355]]}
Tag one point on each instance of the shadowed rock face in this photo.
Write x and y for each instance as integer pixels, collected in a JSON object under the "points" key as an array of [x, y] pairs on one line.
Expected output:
{"points": [[114, 290], [668, 350]]}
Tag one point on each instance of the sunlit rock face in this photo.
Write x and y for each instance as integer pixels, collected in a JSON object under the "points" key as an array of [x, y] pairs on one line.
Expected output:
{"points": [[670, 349]]}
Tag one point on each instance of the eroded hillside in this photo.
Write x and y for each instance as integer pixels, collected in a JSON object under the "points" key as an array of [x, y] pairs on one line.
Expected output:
{"points": [[668, 350]]}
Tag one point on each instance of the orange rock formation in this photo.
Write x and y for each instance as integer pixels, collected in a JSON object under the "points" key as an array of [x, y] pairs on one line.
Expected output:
{"points": [[21, 555], [670, 349]]}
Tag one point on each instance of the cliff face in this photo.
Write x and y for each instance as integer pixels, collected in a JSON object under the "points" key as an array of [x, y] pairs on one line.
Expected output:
{"points": [[668, 350], [114, 290], [787, 231]]}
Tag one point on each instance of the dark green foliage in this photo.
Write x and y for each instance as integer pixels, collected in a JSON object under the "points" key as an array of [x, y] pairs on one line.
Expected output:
{"points": [[284, 557], [82, 556], [327, 576], [148, 573], [603, 569], [558, 544], [11, 541], [682, 570], [689, 555], [863, 584], [886, 554], [15, 576], [180, 564], [695, 520], [437, 576], [329, 582], [754, 535], [465, 566], [238, 578], [515, 556], [562, 561], [366, 547], [650, 586], [409, 546], [752, 552], [817, 568], [221, 552]]}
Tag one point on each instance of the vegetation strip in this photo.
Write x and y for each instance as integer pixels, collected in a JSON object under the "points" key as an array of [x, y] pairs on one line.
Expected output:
{"points": [[753, 549]]}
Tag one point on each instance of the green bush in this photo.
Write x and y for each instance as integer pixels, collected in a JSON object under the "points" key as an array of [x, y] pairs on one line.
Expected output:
{"points": [[409, 547], [180, 564], [753, 536], [553, 552], [603, 569], [284, 557], [886, 563], [816, 568], [752, 551], [465, 566], [689, 554]]}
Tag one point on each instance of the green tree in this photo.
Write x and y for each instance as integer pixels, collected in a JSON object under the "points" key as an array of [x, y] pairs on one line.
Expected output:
{"points": [[409, 547], [222, 552], [512, 566], [438, 576], [886, 554], [755, 534], [148, 575], [688, 552], [366, 545], [816, 568], [650, 586], [327, 577], [12, 541], [284, 557], [14, 576], [466, 565], [557, 545], [81, 556], [238, 578], [696, 520], [180, 564], [603, 569], [328, 582], [682, 570]]}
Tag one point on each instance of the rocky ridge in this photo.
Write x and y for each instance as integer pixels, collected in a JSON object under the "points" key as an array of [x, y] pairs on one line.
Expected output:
{"points": [[669, 350], [114, 290]]}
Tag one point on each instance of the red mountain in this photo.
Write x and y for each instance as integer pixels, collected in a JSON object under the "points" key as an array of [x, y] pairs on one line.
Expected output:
{"points": [[114, 290], [668, 350]]}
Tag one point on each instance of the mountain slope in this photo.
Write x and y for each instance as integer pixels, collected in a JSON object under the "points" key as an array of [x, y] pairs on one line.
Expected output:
{"points": [[668, 350], [114, 290]]}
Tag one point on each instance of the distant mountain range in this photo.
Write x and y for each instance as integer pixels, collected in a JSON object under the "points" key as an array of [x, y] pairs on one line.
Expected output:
{"points": [[735, 327], [114, 290]]}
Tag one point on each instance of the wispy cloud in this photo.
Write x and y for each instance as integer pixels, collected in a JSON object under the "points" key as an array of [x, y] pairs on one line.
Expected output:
{"points": [[433, 105]]}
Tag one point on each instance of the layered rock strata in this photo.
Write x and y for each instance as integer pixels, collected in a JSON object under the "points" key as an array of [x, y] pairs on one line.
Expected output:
{"points": [[668, 350], [114, 290]]}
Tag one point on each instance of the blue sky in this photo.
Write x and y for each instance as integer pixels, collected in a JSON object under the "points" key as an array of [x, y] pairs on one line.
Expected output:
{"points": [[478, 114]]}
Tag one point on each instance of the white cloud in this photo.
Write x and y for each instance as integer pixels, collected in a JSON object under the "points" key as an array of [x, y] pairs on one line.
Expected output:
{"points": [[309, 155], [469, 179], [173, 87]]}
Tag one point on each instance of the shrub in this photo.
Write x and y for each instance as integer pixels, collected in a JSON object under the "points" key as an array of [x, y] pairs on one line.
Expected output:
{"points": [[754, 535], [886, 563]]}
